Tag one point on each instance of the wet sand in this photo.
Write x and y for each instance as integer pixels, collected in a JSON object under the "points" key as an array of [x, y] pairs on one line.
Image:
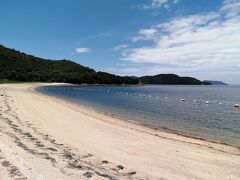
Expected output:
{"points": [[43, 137]]}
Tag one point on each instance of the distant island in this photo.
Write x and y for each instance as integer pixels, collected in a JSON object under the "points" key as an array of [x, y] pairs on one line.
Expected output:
{"points": [[171, 79], [16, 66], [215, 82]]}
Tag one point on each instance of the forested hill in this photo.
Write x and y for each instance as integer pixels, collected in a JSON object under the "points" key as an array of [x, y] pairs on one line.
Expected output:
{"points": [[170, 79], [18, 66]]}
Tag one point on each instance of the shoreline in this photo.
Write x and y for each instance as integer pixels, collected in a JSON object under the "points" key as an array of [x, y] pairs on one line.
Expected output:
{"points": [[50, 138], [117, 118]]}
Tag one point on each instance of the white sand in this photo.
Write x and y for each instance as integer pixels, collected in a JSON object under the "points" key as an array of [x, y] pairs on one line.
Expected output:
{"points": [[42, 137]]}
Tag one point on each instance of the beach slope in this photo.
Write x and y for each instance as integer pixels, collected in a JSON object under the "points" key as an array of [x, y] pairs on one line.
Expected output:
{"points": [[43, 137]]}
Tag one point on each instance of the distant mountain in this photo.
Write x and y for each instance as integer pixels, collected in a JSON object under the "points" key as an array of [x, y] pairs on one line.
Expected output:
{"points": [[133, 77], [215, 82], [170, 79], [20, 67]]}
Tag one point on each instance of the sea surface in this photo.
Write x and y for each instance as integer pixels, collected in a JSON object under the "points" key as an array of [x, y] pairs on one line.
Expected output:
{"points": [[198, 111]]}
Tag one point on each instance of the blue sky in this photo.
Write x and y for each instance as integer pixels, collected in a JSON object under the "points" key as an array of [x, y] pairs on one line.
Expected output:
{"points": [[199, 38]]}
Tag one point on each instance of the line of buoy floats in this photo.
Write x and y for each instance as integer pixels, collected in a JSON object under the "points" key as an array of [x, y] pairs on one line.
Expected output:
{"points": [[146, 95]]}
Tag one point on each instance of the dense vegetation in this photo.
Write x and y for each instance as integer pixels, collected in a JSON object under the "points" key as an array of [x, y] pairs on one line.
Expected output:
{"points": [[16, 66], [171, 79]]}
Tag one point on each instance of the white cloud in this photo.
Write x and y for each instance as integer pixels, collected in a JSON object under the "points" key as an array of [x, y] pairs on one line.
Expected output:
{"points": [[157, 4], [145, 34], [207, 43], [82, 50], [175, 1], [231, 8], [120, 47]]}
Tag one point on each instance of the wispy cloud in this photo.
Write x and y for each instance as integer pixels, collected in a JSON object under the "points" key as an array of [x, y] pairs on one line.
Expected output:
{"points": [[82, 50], [207, 42], [157, 4], [145, 34], [120, 47]]}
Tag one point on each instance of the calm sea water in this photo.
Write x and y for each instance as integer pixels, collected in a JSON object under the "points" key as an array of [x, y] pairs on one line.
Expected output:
{"points": [[162, 107]]}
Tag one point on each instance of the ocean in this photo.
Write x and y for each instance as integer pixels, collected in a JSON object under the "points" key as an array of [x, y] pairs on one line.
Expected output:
{"points": [[198, 111]]}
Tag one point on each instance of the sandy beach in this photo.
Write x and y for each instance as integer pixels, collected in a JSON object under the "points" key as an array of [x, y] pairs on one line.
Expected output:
{"points": [[42, 137]]}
